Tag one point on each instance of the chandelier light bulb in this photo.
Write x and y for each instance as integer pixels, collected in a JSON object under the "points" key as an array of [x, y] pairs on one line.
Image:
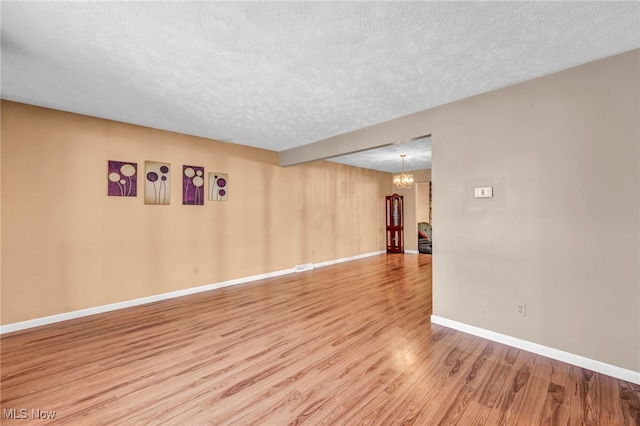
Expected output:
{"points": [[403, 181]]}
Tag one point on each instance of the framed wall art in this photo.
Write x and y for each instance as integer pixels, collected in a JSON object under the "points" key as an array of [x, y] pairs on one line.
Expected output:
{"points": [[218, 186], [157, 183], [193, 185], [123, 179]]}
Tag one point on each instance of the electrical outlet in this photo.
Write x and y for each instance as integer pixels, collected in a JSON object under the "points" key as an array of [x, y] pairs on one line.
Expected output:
{"points": [[521, 309]]}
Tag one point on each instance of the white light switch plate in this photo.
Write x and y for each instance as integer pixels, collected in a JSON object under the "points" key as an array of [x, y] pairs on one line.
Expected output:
{"points": [[483, 192]]}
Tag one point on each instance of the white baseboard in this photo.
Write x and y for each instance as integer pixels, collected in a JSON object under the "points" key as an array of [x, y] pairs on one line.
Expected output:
{"points": [[412, 252], [134, 302], [347, 259], [569, 358], [37, 322]]}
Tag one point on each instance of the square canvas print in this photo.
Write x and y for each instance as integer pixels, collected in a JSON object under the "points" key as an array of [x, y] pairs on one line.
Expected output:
{"points": [[218, 186], [123, 179], [193, 185], [157, 183]]}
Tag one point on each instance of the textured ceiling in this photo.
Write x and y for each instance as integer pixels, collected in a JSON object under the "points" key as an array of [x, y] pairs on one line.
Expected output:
{"points": [[277, 75], [387, 158]]}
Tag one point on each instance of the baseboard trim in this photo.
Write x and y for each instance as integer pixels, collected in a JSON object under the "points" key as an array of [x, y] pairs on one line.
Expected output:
{"points": [[569, 358], [412, 252], [134, 302], [37, 322], [348, 259]]}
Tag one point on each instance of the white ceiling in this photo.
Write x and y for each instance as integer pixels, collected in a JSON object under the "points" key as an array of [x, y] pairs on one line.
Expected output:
{"points": [[278, 75], [387, 158]]}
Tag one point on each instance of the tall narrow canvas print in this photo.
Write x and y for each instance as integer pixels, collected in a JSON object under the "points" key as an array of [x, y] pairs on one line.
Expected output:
{"points": [[157, 183], [193, 185], [218, 186], [123, 179]]}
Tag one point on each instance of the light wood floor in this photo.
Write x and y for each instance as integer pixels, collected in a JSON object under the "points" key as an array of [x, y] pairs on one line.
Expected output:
{"points": [[347, 344]]}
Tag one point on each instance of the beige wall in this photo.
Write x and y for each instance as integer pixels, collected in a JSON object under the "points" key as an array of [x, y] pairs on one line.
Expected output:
{"points": [[66, 245], [422, 199], [422, 202], [562, 231]]}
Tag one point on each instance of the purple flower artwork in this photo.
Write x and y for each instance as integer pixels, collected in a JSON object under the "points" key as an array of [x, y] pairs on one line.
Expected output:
{"points": [[123, 179], [193, 185], [157, 183], [218, 186]]}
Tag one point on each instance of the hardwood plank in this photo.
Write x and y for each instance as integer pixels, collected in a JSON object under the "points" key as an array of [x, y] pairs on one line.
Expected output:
{"points": [[346, 344]]}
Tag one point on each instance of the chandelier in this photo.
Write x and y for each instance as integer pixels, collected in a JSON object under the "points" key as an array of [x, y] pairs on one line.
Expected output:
{"points": [[403, 181]]}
